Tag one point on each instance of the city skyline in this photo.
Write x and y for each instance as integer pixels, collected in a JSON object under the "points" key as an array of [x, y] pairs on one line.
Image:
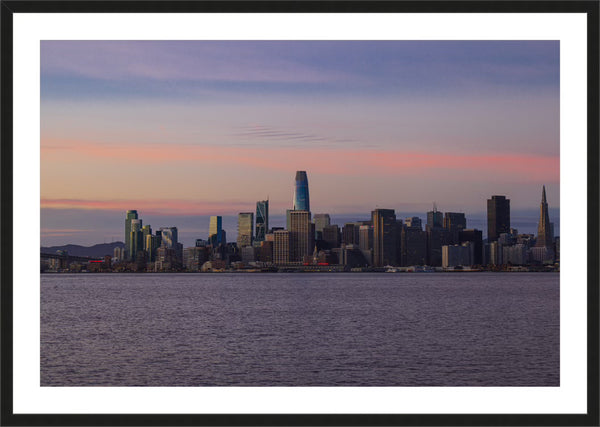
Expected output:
{"points": [[392, 124]]}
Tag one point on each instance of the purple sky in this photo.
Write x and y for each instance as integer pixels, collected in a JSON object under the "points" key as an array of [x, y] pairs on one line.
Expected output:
{"points": [[195, 128]]}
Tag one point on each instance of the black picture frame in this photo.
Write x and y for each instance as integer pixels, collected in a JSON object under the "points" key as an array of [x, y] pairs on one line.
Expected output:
{"points": [[9, 8]]}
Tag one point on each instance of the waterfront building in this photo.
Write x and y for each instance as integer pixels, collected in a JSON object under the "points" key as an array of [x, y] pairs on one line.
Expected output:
{"points": [[437, 237], [495, 254], [301, 196], [166, 259], [413, 245], [281, 247], [262, 220], [215, 231], [542, 254], [457, 255], [245, 229], [476, 238], [248, 254], [194, 258], [498, 217], [131, 214], [302, 235], [385, 237], [515, 254], [265, 252], [331, 235], [119, 254]]}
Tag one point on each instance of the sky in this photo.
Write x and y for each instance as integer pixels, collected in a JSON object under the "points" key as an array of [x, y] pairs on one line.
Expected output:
{"points": [[181, 130]]}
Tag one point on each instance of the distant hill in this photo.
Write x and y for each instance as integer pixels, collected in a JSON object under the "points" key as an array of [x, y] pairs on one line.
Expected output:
{"points": [[98, 250]]}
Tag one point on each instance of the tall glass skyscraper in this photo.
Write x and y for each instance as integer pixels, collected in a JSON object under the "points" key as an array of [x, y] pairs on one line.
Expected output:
{"points": [[498, 216], [301, 200], [215, 230], [131, 214], [245, 228], [262, 220]]}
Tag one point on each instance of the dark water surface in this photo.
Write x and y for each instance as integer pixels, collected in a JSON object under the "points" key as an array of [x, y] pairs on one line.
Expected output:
{"points": [[345, 329]]}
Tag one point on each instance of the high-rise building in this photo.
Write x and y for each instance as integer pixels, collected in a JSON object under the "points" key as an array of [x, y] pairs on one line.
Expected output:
{"points": [[365, 237], [136, 239], [413, 245], [131, 214], [281, 247], [215, 231], [321, 220], [245, 229], [498, 217], [413, 222], [454, 222], [350, 233], [475, 237], [262, 220], [302, 235], [385, 237], [331, 235], [435, 219], [545, 235], [151, 244], [168, 237], [301, 198]]}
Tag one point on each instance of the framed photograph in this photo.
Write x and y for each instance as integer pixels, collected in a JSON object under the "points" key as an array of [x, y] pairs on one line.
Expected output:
{"points": [[300, 213]]}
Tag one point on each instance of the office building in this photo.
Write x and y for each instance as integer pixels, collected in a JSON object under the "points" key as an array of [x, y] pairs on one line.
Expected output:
{"points": [[457, 255], [245, 229], [215, 231], [331, 236], [321, 220], [413, 245], [281, 247], [136, 242], [385, 237], [515, 254], [129, 215], [498, 217], [302, 235], [350, 233], [151, 244], [301, 197], [476, 238], [365, 237], [168, 236], [435, 219], [262, 220]]}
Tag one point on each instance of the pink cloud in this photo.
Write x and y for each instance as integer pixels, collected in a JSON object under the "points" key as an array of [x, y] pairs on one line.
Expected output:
{"points": [[368, 162]]}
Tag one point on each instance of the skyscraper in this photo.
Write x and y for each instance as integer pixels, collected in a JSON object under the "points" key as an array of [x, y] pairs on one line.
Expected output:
{"points": [[136, 238], [385, 237], [321, 221], [498, 216], [168, 237], [281, 247], [245, 229], [131, 214], [262, 220], [301, 199], [302, 235], [215, 230], [435, 219], [545, 236]]}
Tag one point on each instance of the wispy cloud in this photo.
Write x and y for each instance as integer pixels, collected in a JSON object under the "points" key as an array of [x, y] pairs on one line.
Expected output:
{"points": [[263, 135]]}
